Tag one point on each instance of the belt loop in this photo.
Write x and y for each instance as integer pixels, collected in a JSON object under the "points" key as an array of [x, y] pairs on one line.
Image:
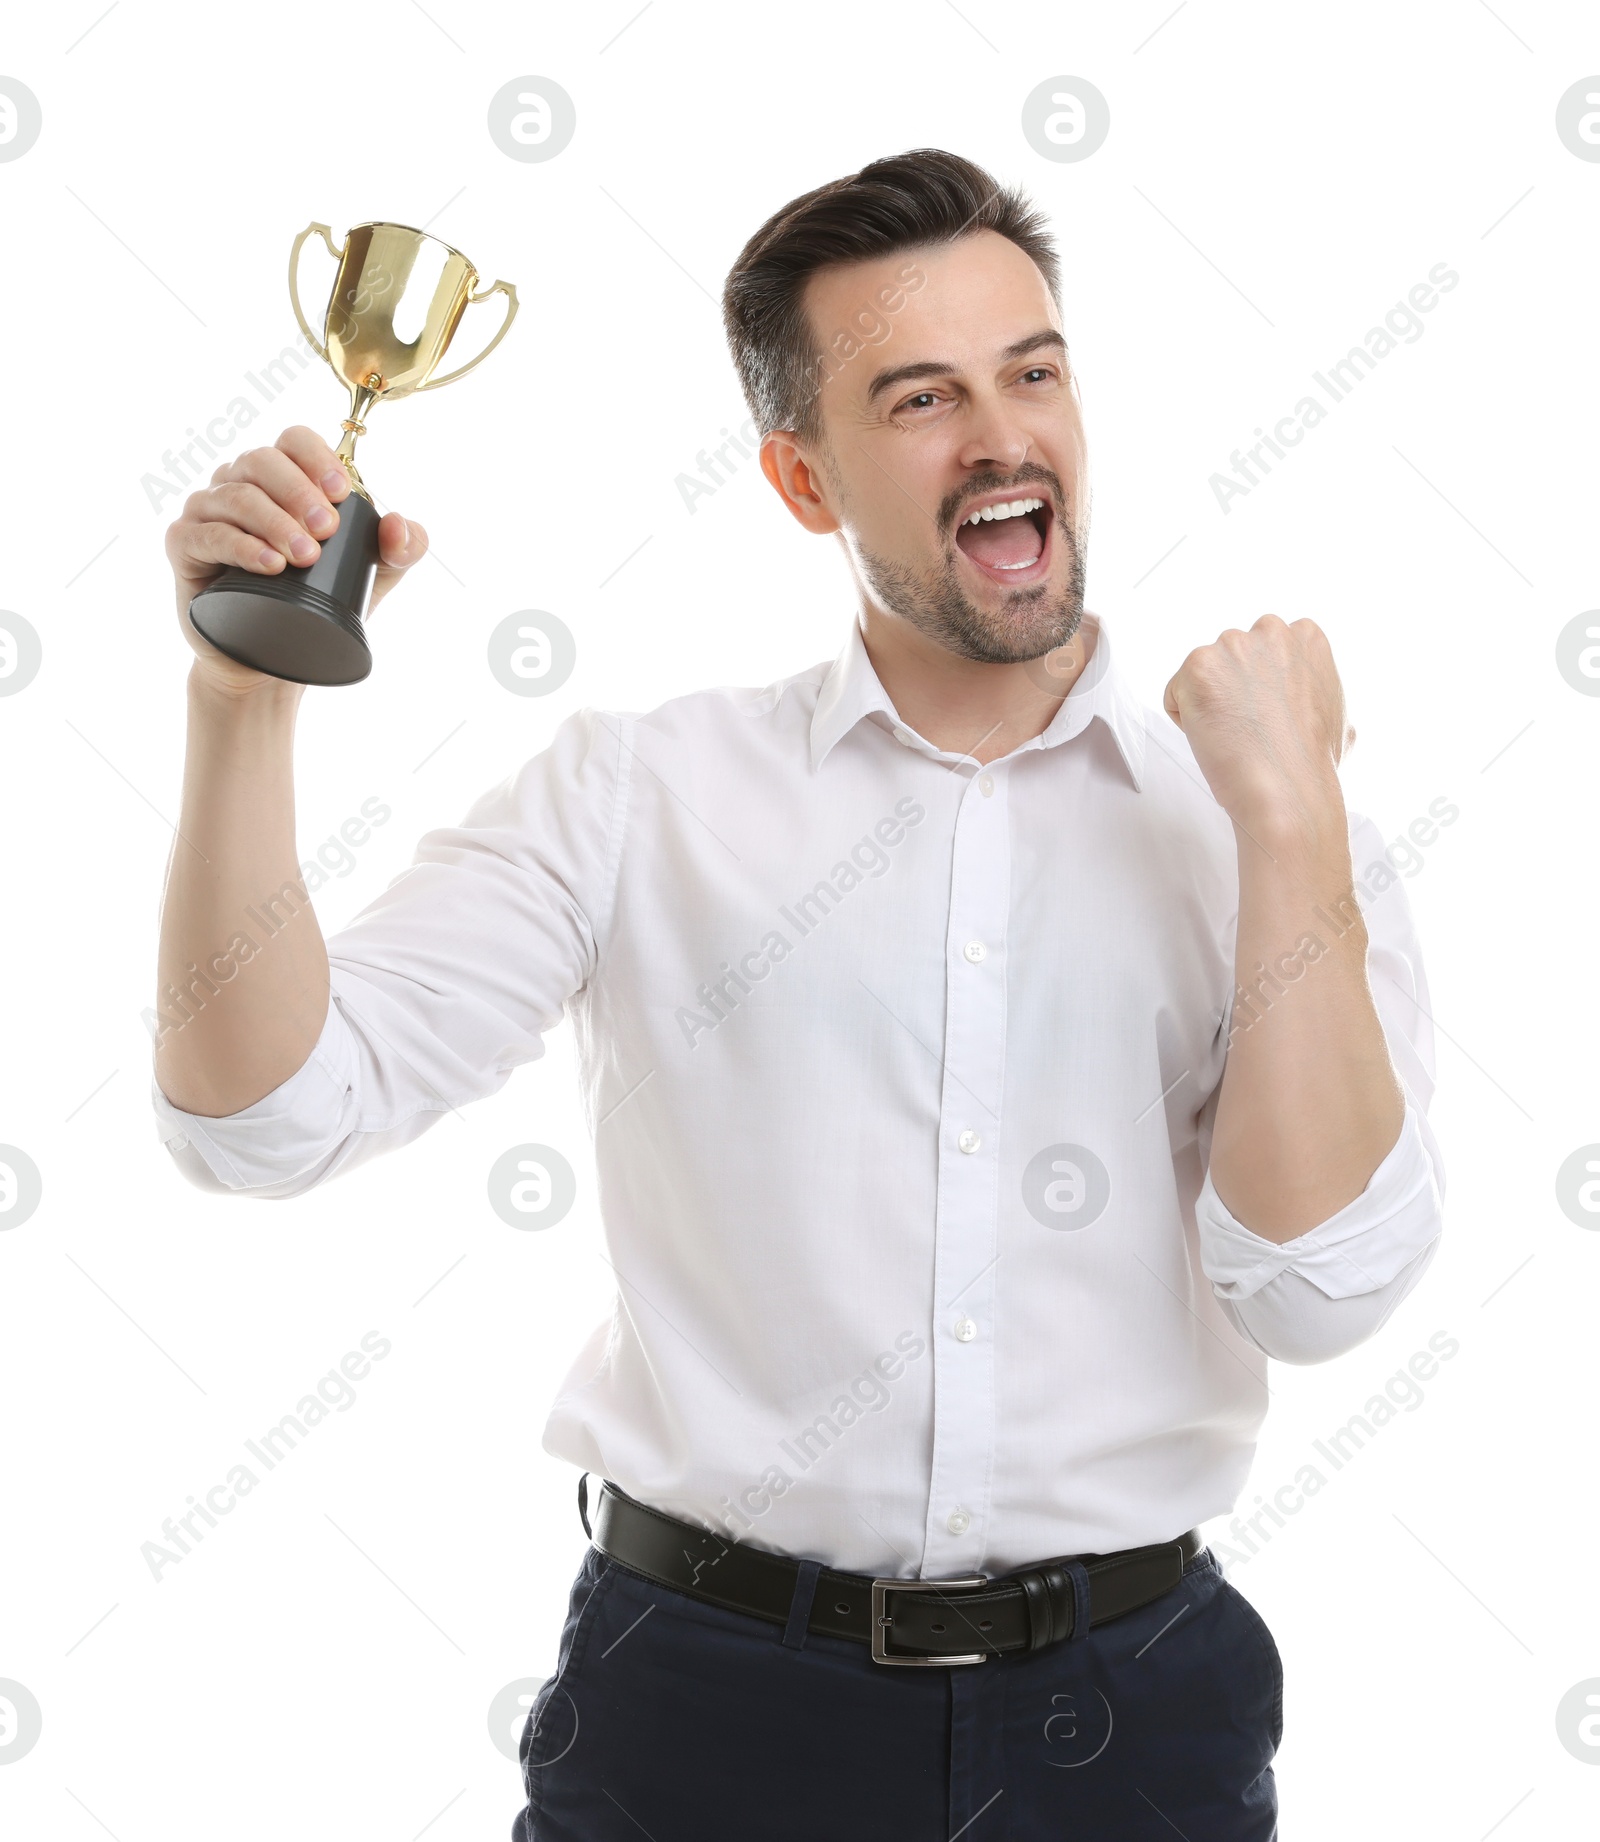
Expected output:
{"points": [[1079, 1575], [583, 1504], [805, 1590], [1038, 1597]]}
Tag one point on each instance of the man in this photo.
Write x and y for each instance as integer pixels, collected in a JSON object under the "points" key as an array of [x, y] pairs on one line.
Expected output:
{"points": [[987, 1075]]}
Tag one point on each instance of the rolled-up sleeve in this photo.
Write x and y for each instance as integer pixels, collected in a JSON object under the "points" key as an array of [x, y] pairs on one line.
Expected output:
{"points": [[444, 983], [1334, 1286]]}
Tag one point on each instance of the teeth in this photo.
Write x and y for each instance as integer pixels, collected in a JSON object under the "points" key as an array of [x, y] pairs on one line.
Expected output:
{"points": [[1014, 508]]}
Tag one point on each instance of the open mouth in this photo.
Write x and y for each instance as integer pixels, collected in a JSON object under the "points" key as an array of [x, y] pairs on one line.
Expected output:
{"points": [[1008, 539]]}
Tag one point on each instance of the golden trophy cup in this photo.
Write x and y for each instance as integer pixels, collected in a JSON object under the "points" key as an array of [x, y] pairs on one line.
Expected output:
{"points": [[395, 304]]}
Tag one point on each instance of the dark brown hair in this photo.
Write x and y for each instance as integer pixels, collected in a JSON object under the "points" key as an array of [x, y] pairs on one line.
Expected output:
{"points": [[924, 196]]}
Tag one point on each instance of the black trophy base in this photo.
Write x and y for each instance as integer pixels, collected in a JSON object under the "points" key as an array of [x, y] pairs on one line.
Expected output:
{"points": [[306, 624]]}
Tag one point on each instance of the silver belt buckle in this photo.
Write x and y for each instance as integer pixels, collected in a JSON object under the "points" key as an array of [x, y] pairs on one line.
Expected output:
{"points": [[881, 1621]]}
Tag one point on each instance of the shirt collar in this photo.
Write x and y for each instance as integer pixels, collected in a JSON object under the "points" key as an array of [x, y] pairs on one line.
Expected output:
{"points": [[852, 690]]}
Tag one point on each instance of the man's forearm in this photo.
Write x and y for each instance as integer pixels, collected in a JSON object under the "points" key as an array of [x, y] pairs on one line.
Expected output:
{"points": [[239, 1007], [1310, 1104]]}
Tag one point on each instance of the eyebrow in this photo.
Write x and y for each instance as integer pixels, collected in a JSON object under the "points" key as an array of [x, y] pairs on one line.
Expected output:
{"points": [[941, 367]]}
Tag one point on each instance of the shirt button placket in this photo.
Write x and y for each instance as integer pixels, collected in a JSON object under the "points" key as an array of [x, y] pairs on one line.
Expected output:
{"points": [[966, 1225]]}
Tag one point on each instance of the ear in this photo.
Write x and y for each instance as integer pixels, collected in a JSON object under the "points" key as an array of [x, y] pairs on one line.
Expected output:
{"points": [[796, 482]]}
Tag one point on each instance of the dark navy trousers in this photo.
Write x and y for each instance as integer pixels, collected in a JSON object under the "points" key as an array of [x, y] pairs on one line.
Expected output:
{"points": [[675, 1720]]}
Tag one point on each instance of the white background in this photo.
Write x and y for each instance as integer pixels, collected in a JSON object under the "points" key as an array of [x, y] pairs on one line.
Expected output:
{"points": [[1275, 179]]}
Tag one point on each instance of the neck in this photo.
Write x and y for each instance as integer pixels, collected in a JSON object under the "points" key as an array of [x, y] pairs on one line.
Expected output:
{"points": [[965, 705]]}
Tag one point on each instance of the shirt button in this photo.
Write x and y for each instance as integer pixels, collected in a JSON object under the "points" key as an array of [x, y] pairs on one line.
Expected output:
{"points": [[966, 1330], [986, 784], [969, 1142], [974, 950], [958, 1522], [903, 735]]}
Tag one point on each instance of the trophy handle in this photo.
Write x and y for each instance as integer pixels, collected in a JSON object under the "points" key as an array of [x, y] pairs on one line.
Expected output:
{"points": [[499, 287], [294, 290]]}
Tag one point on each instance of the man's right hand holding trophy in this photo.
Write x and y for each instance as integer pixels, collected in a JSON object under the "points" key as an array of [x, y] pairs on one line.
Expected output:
{"points": [[267, 511], [278, 562]]}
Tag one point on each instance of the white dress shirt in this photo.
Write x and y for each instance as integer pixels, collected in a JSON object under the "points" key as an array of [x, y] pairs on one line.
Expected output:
{"points": [[901, 1073]]}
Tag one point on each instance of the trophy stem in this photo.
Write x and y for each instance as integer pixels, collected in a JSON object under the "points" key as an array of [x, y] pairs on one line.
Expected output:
{"points": [[362, 397]]}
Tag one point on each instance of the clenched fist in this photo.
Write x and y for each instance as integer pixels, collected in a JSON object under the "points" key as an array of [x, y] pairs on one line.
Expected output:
{"points": [[1264, 713], [261, 512]]}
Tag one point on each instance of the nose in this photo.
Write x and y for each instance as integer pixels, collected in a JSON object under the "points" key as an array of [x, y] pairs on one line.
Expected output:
{"points": [[994, 438]]}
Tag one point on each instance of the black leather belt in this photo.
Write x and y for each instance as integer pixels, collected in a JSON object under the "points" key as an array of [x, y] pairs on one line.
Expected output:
{"points": [[963, 1620]]}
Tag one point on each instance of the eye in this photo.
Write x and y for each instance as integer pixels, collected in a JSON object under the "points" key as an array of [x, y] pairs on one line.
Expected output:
{"points": [[921, 397], [1043, 371]]}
